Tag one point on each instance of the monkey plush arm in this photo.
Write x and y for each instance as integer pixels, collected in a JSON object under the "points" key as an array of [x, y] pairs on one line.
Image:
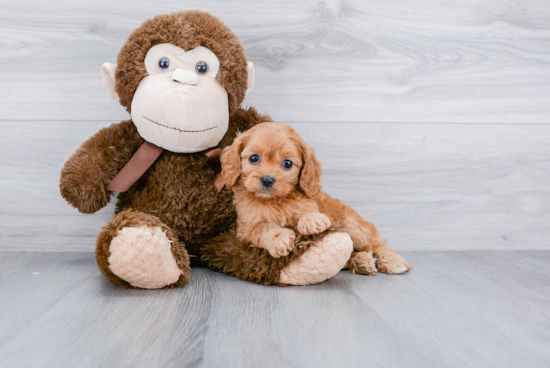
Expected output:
{"points": [[91, 168]]}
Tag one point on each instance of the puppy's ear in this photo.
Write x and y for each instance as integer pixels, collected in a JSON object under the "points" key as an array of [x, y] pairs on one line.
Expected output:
{"points": [[312, 169], [231, 161]]}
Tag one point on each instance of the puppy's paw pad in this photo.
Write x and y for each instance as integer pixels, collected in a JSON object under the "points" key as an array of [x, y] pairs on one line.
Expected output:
{"points": [[313, 223]]}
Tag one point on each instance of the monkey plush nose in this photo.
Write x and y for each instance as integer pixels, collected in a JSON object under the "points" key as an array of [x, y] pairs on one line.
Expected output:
{"points": [[268, 181], [184, 77]]}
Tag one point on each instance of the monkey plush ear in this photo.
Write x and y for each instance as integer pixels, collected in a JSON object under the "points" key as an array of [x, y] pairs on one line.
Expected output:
{"points": [[108, 76], [250, 84]]}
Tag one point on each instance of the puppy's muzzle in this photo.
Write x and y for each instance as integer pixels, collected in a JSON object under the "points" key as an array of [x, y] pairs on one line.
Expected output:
{"points": [[267, 181]]}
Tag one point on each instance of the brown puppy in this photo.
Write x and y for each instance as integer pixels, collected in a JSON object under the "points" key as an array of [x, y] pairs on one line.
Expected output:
{"points": [[275, 179]]}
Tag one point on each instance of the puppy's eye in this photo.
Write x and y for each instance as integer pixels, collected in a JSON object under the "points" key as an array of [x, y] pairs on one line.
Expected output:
{"points": [[287, 164], [164, 63], [201, 67], [254, 159]]}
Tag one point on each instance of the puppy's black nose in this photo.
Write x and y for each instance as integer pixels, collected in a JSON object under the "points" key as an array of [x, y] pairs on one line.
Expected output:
{"points": [[268, 181]]}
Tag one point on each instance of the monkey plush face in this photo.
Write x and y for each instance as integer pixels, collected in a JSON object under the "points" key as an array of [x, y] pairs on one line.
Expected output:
{"points": [[181, 76], [179, 105]]}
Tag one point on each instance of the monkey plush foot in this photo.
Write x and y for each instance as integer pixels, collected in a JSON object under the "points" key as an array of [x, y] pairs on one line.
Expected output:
{"points": [[138, 250], [142, 257], [320, 262]]}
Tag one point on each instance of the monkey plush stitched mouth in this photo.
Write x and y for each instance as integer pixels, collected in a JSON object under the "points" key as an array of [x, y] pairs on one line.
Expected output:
{"points": [[180, 105]]}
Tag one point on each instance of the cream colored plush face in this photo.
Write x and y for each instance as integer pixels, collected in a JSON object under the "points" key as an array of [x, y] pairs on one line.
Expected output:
{"points": [[178, 108]]}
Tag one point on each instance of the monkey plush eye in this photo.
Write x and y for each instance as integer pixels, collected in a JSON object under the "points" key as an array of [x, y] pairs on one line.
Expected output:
{"points": [[164, 63], [287, 164], [201, 67], [254, 159]]}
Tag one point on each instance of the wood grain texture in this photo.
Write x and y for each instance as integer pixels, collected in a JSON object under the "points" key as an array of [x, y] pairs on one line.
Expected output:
{"points": [[363, 61], [426, 186], [455, 309], [30, 283], [459, 295], [326, 325], [100, 324]]}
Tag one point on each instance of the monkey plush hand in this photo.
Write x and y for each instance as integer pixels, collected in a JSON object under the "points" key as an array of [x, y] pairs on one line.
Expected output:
{"points": [[182, 77]]}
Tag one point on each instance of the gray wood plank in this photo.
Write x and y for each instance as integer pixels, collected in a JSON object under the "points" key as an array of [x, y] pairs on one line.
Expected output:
{"points": [[539, 255], [487, 308], [334, 61], [426, 186], [455, 309], [326, 325], [31, 283], [103, 325]]}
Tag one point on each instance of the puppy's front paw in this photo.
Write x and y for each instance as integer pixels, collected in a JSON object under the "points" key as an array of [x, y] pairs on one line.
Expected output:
{"points": [[313, 223], [281, 243]]}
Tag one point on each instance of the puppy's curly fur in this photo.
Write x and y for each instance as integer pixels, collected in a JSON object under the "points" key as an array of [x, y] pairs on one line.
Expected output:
{"points": [[275, 178]]}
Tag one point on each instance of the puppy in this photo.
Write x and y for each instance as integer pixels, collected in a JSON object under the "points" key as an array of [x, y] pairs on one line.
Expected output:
{"points": [[275, 178]]}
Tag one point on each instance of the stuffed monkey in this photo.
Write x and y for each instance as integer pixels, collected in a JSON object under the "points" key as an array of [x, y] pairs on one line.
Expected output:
{"points": [[182, 77]]}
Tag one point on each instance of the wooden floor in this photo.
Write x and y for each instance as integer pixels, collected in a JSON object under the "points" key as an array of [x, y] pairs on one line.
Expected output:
{"points": [[456, 309]]}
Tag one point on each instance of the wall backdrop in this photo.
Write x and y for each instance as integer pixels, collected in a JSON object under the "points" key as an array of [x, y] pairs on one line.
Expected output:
{"points": [[432, 118]]}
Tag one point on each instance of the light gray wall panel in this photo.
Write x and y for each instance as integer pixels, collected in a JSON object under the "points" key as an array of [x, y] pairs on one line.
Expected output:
{"points": [[431, 118], [364, 61], [427, 186]]}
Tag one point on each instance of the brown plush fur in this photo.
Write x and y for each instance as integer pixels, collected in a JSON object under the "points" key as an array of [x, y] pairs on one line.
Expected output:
{"points": [[267, 215], [252, 263], [177, 192]]}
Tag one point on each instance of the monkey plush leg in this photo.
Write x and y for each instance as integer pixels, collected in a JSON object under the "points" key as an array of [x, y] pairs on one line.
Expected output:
{"points": [[138, 250], [315, 258], [320, 262]]}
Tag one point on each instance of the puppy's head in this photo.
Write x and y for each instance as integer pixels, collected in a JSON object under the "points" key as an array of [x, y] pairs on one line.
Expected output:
{"points": [[270, 161]]}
